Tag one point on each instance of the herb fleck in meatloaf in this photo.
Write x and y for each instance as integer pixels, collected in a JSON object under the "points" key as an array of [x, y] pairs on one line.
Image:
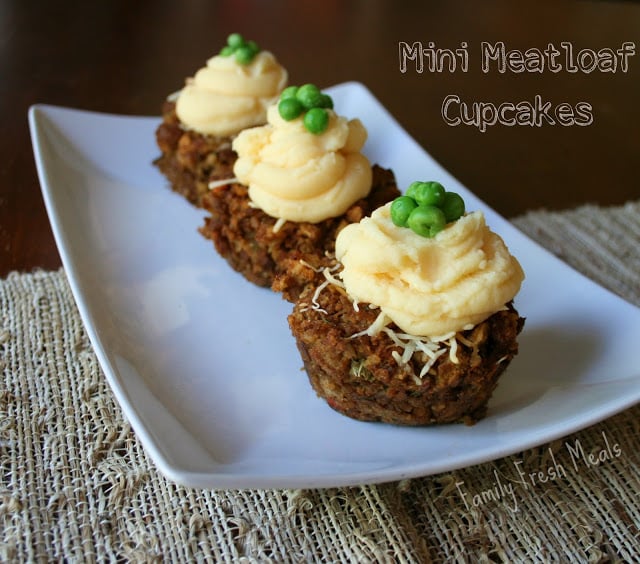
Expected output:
{"points": [[360, 378], [190, 160], [277, 256]]}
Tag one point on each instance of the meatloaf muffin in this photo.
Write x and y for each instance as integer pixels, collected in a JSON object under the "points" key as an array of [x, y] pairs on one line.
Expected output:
{"points": [[360, 378], [414, 322], [283, 256], [228, 95], [190, 160]]}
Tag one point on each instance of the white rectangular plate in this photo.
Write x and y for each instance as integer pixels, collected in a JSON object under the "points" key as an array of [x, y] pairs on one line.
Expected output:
{"points": [[203, 363]]}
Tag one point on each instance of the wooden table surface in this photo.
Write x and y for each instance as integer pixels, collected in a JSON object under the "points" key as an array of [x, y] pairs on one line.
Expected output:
{"points": [[124, 57]]}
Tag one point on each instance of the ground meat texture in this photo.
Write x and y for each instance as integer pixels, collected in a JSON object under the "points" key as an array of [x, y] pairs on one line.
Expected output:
{"points": [[358, 377], [190, 160], [280, 259]]}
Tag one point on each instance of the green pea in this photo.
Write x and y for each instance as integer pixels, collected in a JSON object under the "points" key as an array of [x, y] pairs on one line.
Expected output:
{"points": [[316, 120], [427, 221], [226, 51], [253, 46], [452, 206], [413, 188], [326, 101], [289, 92], [244, 55], [289, 109], [310, 96], [429, 193], [235, 40], [400, 210]]}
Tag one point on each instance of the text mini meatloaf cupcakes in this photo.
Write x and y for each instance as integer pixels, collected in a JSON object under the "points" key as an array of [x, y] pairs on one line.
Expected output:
{"points": [[413, 325], [299, 180], [231, 93]]}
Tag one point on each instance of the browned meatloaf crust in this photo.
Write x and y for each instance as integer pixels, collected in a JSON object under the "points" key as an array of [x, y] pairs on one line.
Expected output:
{"points": [[245, 236], [359, 378], [190, 160]]}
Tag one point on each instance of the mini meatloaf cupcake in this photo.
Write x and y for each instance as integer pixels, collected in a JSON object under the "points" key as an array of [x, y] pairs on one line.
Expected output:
{"points": [[200, 122], [299, 180], [412, 327]]}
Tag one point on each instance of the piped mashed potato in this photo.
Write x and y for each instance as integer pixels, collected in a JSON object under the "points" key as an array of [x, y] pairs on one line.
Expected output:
{"points": [[299, 176], [428, 286], [226, 97]]}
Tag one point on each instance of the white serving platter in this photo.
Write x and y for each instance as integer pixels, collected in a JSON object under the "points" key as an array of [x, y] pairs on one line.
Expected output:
{"points": [[203, 363]]}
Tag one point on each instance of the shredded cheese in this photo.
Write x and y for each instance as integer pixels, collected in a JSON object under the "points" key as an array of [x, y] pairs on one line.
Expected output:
{"points": [[278, 224], [314, 300], [466, 342], [431, 348], [329, 279], [378, 325], [453, 350], [305, 263], [217, 183]]}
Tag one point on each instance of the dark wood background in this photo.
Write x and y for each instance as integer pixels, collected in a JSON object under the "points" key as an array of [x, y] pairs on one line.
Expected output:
{"points": [[125, 56]]}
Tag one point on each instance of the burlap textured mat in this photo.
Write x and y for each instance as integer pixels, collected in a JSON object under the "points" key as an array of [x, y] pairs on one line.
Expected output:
{"points": [[76, 486]]}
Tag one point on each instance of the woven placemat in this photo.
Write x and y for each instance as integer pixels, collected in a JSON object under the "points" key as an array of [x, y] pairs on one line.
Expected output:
{"points": [[76, 486]]}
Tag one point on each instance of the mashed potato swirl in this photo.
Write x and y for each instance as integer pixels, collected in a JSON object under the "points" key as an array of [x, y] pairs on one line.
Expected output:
{"points": [[298, 176], [226, 97], [428, 286]]}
